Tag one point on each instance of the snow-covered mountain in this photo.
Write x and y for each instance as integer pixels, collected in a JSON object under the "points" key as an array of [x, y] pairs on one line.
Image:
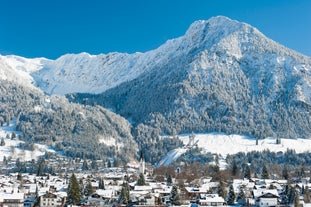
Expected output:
{"points": [[221, 76], [218, 39], [18, 69]]}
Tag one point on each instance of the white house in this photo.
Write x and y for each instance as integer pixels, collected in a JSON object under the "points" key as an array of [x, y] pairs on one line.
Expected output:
{"points": [[266, 198], [12, 199], [211, 200], [51, 199]]}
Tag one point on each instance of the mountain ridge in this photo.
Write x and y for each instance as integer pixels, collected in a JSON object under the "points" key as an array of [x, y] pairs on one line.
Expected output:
{"points": [[221, 76]]}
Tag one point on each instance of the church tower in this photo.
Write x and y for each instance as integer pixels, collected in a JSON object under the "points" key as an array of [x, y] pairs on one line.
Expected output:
{"points": [[141, 163]]}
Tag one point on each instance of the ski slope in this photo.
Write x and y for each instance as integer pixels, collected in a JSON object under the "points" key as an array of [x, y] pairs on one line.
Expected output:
{"points": [[224, 145]]}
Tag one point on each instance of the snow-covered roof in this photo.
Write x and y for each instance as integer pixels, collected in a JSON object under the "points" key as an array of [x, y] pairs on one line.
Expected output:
{"points": [[212, 198], [143, 188], [260, 192]]}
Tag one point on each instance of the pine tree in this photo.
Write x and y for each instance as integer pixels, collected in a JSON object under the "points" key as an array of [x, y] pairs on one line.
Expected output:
{"points": [[264, 173], [85, 166], [81, 185], [285, 173], [94, 165], [19, 177], [5, 161], [101, 184], [73, 192], [221, 189], [174, 196], [247, 172], [169, 180], [2, 142], [231, 196], [40, 169], [290, 194], [141, 180], [89, 189], [125, 193], [234, 168], [241, 196]]}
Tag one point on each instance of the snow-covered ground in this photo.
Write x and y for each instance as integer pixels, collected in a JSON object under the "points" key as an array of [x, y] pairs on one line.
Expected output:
{"points": [[172, 156], [11, 147], [231, 144]]}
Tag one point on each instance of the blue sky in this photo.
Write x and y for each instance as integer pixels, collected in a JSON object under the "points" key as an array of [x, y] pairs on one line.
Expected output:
{"points": [[51, 28]]}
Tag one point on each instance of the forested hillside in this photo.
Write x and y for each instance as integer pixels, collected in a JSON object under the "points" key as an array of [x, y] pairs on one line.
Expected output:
{"points": [[77, 130]]}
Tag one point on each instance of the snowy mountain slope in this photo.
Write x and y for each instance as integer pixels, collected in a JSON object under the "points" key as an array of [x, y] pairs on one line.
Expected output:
{"points": [[224, 145], [172, 156], [74, 129], [10, 148], [18, 69], [223, 76]]}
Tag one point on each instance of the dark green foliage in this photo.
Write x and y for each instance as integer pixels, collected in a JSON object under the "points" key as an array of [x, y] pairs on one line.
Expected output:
{"points": [[221, 190], [256, 159], [241, 196], [85, 166], [81, 185], [154, 147], [169, 180], [238, 98], [141, 180], [5, 161], [74, 129], [174, 196], [285, 174], [19, 177], [94, 165], [73, 192], [247, 172], [125, 193], [88, 189], [234, 168], [290, 194], [231, 196], [101, 184], [2, 142], [264, 172]]}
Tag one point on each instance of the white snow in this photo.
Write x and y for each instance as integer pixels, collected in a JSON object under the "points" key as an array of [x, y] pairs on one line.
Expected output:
{"points": [[18, 69], [223, 145], [231, 144], [219, 36], [11, 147], [172, 156]]}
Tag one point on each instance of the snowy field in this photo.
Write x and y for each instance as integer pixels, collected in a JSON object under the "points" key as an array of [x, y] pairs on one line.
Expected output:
{"points": [[231, 144], [10, 149]]}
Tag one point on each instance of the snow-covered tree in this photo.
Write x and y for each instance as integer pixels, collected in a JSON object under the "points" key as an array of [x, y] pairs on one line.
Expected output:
{"points": [[174, 196], [231, 196], [141, 180]]}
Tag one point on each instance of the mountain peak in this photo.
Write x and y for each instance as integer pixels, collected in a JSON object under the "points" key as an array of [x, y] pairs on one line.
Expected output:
{"points": [[214, 24]]}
